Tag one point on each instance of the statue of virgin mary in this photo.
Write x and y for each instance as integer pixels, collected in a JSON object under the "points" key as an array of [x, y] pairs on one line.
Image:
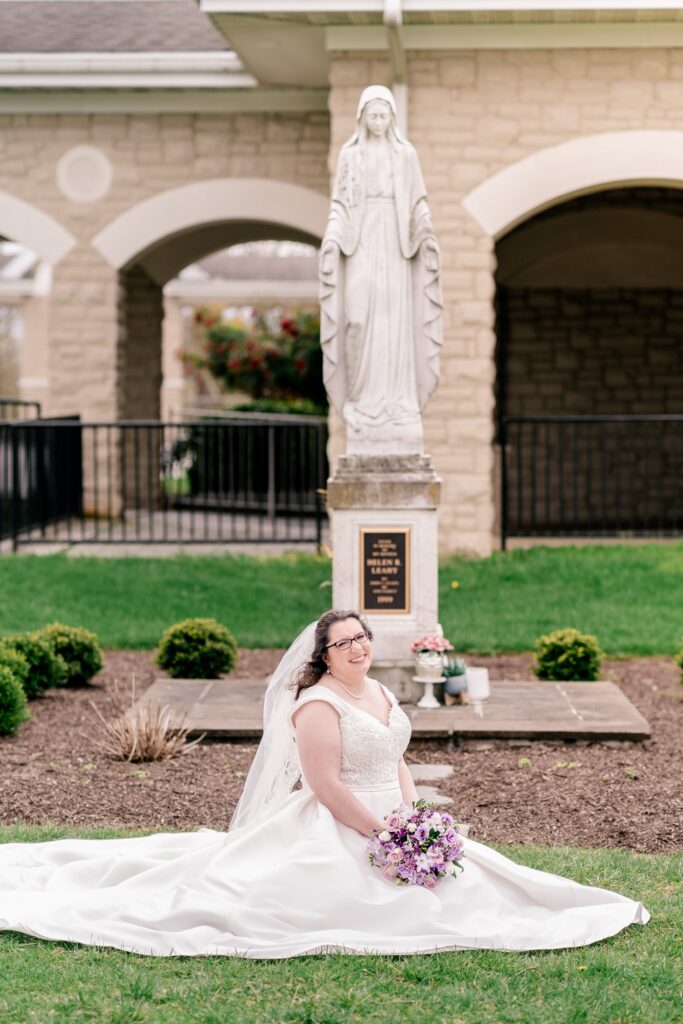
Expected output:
{"points": [[380, 293]]}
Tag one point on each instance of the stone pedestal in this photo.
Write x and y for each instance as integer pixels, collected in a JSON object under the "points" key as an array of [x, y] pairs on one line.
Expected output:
{"points": [[384, 541]]}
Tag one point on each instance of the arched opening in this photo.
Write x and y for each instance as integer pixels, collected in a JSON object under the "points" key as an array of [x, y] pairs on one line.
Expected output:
{"points": [[31, 242], [589, 311], [154, 241], [264, 292], [196, 479]]}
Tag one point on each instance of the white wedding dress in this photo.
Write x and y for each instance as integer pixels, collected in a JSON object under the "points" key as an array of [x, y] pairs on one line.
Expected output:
{"points": [[297, 884]]}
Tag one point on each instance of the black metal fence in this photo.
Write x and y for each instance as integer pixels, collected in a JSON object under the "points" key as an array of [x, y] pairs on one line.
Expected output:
{"points": [[243, 479], [16, 409], [592, 476]]}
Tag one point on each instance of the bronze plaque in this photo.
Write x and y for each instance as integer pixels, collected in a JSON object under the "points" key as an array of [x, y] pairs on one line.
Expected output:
{"points": [[385, 571]]}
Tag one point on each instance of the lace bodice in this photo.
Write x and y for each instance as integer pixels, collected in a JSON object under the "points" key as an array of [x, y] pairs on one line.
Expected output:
{"points": [[370, 750]]}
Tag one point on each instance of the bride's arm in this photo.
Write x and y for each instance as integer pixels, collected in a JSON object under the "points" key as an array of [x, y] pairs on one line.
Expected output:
{"points": [[319, 744], [406, 782]]}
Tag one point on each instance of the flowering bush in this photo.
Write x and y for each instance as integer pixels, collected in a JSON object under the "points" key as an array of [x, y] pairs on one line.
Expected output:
{"points": [[418, 845], [281, 364], [431, 643]]}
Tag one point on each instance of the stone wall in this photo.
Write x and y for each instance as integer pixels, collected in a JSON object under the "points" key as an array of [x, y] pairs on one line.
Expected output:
{"points": [[592, 351], [471, 114], [89, 326]]}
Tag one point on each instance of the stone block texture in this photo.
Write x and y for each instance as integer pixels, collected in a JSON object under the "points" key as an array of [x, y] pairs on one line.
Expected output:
{"points": [[471, 114]]}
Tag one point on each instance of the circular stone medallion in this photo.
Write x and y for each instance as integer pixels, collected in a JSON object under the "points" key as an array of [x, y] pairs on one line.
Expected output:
{"points": [[84, 174]]}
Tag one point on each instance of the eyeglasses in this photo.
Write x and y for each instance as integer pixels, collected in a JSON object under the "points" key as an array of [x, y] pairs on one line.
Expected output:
{"points": [[343, 645]]}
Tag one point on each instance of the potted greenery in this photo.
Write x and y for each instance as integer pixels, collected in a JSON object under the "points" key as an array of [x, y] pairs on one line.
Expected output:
{"points": [[455, 685]]}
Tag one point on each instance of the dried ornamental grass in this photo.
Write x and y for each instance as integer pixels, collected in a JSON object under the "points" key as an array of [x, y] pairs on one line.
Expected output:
{"points": [[144, 732]]}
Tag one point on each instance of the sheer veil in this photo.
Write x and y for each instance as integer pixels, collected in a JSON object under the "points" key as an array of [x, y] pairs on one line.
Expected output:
{"points": [[275, 768]]}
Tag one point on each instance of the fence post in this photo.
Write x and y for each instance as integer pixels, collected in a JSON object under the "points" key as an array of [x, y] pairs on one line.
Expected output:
{"points": [[503, 483], [16, 487], [271, 478]]}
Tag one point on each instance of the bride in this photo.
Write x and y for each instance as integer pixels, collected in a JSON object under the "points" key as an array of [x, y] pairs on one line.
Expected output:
{"points": [[291, 876]]}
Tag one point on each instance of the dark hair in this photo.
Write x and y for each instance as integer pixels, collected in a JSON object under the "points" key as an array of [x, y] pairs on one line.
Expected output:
{"points": [[316, 667]]}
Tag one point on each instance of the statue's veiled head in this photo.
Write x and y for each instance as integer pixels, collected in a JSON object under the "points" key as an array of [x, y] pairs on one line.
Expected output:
{"points": [[376, 114]]}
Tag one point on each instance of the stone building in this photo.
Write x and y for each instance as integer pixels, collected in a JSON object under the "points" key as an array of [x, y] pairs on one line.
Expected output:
{"points": [[137, 136]]}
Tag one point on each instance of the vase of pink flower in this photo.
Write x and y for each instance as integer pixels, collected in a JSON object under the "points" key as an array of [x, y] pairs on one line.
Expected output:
{"points": [[429, 651]]}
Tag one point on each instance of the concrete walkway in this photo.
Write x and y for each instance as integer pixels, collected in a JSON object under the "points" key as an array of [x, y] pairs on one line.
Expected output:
{"points": [[230, 709]]}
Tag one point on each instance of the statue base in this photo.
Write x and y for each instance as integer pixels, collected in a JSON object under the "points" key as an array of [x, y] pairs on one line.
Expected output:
{"points": [[385, 555], [397, 438]]}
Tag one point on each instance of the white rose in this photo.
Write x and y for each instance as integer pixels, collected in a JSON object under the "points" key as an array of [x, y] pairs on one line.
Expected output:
{"points": [[385, 836], [435, 820], [412, 827]]}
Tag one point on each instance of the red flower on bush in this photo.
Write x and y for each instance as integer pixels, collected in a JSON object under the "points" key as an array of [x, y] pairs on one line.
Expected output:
{"points": [[289, 327], [284, 365]]}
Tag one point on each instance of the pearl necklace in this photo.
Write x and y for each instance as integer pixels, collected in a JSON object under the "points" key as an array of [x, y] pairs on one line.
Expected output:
{"points": [[346, 690]]}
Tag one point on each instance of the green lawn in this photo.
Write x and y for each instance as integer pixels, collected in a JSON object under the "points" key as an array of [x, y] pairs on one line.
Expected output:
{"points": [[630, 978], [631, 597]]}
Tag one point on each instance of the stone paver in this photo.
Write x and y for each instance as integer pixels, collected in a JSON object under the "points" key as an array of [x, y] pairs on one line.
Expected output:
{"points": [[430, 772], [231, 709]]}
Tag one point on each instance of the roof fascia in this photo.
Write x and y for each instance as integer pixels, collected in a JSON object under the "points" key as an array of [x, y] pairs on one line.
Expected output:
{"points": [[285, 7], [211, 70], [612, 35], [161, 101]]}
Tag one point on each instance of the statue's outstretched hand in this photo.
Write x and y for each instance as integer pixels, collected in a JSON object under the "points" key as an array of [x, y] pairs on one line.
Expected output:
{"points": [[429, 251], [329, 257]]}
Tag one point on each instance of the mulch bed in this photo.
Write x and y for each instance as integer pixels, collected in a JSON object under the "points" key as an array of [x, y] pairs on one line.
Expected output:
{"points": [[592, 794]]}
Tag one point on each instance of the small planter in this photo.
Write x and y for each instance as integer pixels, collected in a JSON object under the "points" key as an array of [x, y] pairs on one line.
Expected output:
{"points": [[478, 684], [429, 665], [455, 685]]}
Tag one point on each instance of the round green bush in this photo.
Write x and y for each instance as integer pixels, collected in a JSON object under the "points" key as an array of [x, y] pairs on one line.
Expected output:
{"points": [[13, 710], [78, 648], [14, 660], [45, 668], [197, 649], [568, 654], [679, 661]]}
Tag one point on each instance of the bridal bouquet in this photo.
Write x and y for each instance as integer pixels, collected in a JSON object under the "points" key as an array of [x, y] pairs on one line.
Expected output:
{"points": [[418, 845]]}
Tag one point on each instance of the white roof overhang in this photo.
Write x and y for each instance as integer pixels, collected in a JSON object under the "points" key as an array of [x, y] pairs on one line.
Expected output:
{"points": [[210, 70], [287, 42]]}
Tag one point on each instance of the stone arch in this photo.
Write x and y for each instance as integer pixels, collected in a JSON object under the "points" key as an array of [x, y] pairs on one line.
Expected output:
{"points": [[573, 168], [152, 241], [171, 229], [24, 223]]}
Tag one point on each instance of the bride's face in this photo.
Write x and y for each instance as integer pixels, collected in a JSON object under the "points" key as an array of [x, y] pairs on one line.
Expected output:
{"points": [[355, 660]]}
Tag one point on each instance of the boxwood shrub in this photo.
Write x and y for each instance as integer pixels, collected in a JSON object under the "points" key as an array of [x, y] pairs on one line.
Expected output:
{"points": [[197, 649], [78, 648], [45, 668], [14, 660], [679, 662], [568, 654], [13, 710]]}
